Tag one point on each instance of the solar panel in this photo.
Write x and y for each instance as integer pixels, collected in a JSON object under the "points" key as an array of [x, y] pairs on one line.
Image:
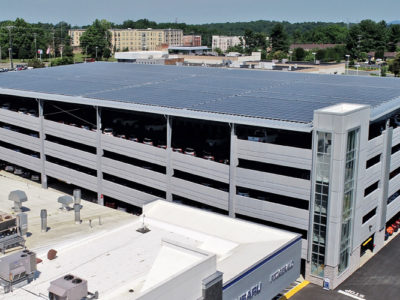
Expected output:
{"points": [[286, 96]]}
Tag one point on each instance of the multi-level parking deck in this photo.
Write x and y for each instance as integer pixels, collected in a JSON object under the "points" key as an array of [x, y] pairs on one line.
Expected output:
{"points": [[242, 143]]}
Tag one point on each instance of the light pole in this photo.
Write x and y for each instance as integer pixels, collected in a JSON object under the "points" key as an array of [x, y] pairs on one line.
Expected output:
{"points": [[347, 63], [357, 66], [35, 45], [314, 56], [10, 48], [96, 52], [290, 55]]}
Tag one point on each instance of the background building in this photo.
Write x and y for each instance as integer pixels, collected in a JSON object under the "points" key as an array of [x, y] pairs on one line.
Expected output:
{"points": [[315, 155], [224, 42], [136, 39], [192, 40]]}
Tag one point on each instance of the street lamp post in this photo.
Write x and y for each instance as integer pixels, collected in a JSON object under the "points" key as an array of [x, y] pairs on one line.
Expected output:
{"points": [[290, 55], [357, 66], [96, 52], [347, 63], [314, 56], [10, 46]]}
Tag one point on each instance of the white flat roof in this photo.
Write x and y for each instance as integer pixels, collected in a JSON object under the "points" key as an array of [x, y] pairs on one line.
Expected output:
{"points": [[115, 258]]}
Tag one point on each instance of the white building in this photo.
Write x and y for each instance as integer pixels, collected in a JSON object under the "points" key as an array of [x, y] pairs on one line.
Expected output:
{"points": [[187, 254], [225, 42]]}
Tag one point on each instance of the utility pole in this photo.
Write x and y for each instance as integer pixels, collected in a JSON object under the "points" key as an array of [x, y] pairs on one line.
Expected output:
{"points": [[10, 46], [54, 46], [34, 34]]}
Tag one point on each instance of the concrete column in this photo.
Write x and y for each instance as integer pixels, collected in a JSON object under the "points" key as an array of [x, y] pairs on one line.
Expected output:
{"points": [[99, 153], [170, 171], [386, 159], [233, 162], [42, 138]]}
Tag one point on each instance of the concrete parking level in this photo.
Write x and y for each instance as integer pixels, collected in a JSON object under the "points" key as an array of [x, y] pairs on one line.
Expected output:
{"points": [[377, 279]]}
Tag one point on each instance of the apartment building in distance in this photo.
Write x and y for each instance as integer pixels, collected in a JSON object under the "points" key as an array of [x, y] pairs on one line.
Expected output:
{"points": [[75, 35], [192, 40], [135, 39], [225, 42]]}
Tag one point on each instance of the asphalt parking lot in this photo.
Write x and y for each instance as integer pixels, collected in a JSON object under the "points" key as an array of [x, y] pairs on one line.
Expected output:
{"points": [[378, 279]]}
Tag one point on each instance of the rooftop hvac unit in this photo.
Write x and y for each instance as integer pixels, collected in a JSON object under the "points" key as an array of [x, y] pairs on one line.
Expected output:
{"points": [[70, 287], [11, 230], [17, 269]]}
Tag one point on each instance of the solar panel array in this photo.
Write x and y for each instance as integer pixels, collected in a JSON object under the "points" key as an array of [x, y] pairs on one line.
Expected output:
{"points": [[286, 96]]}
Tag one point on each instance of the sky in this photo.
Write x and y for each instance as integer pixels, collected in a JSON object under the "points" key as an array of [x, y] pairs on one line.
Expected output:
{"points": [[84, 12]]}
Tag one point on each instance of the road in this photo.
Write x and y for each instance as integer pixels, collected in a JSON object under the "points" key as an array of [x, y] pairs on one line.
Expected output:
{"points": [[378, 279]]}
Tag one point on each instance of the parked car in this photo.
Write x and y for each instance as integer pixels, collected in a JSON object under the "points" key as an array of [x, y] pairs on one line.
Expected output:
{"points": [[243, 193], [86, 127], [190, 151], [162, 146], [9, 168], [34, 134], [23, 110], [262, 136], [35, 177], [208, 156], [133, 138], [32, 112], [108, 131], [121, 136], [148, 141], [6, 106], [18, 171], [26, 174], [177, 150]]}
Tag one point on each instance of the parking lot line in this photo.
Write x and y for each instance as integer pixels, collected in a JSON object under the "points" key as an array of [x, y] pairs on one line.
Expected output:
{"points": [[294, 290], [350, 295]]}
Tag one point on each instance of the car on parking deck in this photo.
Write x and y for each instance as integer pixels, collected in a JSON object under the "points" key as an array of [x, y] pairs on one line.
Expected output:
{"points": [[148, 141], [108, 131], [190, 151]]}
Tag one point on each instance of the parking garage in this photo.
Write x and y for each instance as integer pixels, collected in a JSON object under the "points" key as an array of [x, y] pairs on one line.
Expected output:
{"points": [[239, 143]]}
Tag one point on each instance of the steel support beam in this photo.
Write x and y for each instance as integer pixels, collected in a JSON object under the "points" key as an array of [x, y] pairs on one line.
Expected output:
{"points": [[233, 162], [42, 138], [99, 153], [170, 171]]}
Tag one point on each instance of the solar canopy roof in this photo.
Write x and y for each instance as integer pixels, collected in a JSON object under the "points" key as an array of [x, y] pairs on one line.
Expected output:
{"points": [[284, 96]]}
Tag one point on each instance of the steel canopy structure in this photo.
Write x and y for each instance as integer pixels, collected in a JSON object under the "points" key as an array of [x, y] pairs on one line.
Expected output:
{"points": [[229, 95]]}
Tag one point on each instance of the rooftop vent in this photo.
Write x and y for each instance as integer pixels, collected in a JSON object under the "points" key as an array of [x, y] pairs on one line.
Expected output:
{"points": [[65, 202], [18, 197]]}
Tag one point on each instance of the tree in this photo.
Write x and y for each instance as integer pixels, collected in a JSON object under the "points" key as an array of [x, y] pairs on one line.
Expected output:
{"points": [[107, 53], [254, 41], [97, 37], [218, 50], [279, 38], [299, 54], [394, 66], [394, 37]]}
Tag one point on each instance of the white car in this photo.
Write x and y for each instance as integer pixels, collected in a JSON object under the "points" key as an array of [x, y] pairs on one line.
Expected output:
{"points": [[108, 131]]}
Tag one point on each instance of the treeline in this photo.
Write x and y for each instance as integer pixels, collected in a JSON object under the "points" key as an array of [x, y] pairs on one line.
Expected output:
{"points": [[358, 38], [26, 38]]}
